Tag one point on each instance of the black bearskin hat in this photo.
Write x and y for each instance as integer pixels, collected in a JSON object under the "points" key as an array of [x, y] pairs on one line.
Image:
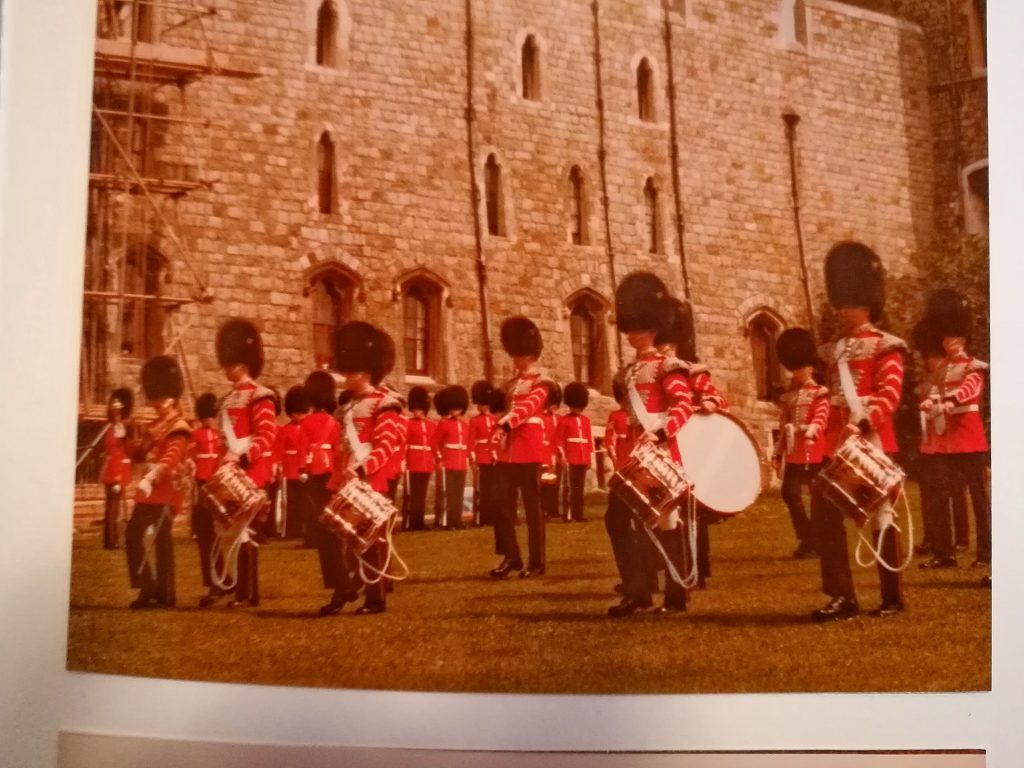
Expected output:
{"points": [[161, 378], [361, 347], [345, 397], [576, 394], [206, 406], [122, 398], [320, 390], [795, 348], [296, 400], [480, 392], [854, 278], [521, 337], [618, 389], [927, 339], [443, 401], [554, 394], [678, 330], [238, 342], [642, 303], [419, 399], [950, 311], [498, 400]]}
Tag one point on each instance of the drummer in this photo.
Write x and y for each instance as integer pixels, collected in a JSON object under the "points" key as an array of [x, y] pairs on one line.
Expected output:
{"points": [[870, 364], [658, 402]]}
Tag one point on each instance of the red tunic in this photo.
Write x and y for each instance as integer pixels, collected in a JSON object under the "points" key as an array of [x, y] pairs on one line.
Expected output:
{"points": [[480, 428], [117, 469], [703, 389], [876, 365], [802, 407], [248, 410], [451, 441], [664, 388], [550, 422], [525, 395], [962, 385], [419, 448], [615, 437], [929, 389], [165, 459], [322, 434], [377, 420], [291, 450], [574, 439], [207, 448]]}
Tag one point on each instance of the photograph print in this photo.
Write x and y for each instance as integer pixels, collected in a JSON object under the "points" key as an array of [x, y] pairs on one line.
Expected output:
{"points": [[611, 346]]}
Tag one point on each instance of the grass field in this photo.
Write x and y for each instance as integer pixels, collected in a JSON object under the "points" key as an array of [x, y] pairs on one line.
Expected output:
{"points": [[450, 627]]}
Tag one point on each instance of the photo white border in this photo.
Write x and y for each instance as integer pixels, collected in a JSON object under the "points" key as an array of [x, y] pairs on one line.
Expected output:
{"points": [[45, 87]]}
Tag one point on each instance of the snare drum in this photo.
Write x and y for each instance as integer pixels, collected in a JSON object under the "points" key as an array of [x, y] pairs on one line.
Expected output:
{"points": [[233, 496], [859, 479], [358, 514], [651, 484]]}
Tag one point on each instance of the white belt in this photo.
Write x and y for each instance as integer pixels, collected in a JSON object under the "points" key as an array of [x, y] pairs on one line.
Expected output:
{"points": [[576, 440], [206, 455], [534, 420], [267, 454], [419, 447], [454, 447], [326, 446], [129, 461], [965, 409], [483, 442], [290, 453]]}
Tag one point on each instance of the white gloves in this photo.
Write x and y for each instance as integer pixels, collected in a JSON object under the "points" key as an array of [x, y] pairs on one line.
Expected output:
{"points": [[145, 487]]}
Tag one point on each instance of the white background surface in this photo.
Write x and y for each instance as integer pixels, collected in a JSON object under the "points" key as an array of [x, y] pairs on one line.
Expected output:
{"points": [[45, 90]]}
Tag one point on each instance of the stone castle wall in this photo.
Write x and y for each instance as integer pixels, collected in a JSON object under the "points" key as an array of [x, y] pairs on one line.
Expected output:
{"points": [[396, 109]]}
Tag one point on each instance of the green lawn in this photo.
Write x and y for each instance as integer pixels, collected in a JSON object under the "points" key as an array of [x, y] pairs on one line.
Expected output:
{"points": [[450, 627]]}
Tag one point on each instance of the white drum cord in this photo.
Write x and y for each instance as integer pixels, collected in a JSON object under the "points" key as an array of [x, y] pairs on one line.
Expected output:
{"points": [[876, 552], [370, 574], [689, 526]]}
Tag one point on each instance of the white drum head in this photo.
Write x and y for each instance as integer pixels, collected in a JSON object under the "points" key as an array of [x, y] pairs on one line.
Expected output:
{"points": [[722, 461]]}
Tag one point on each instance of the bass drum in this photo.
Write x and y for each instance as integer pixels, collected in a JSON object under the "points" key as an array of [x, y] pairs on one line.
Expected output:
{"points": [[723, 461]]}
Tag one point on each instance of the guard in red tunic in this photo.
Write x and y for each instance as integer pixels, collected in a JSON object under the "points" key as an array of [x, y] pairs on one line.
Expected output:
{"points": [[962, 444], [373, 431], [452, 446], [615, 435], [521, 452], [206, 449], [158, 493], [800, 449], [117, 466], [249, 426], [419, 457], [575, 443], [551, 469], [864, 371], [291, 454], [659, 402], [928, 343], [323, 440], [481, 455]]}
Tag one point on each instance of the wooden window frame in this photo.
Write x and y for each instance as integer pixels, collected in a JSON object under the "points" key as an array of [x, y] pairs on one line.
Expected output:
{"points": [[326, 174], [327, 35]]}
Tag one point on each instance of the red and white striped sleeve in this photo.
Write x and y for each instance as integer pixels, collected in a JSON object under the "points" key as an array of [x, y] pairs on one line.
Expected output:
{"points": [[174, 451], [820, 412], [971, 389], [526, 407], [704, 389], [888, 388], [389, 437], [264, 428], [680, 399]]}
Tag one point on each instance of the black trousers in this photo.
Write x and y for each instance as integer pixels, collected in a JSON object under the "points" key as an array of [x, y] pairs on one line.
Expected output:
{"points": [[296, 501], [328, 545], [956, 470], [674, 544], [418, 482], [929, 482], [454, 491], [795, 478], [577, 483], [152, 576], [112, 516], [549, 493], [634, 552], [202, 526], [486, 500], [516, 480], [829, 531]]}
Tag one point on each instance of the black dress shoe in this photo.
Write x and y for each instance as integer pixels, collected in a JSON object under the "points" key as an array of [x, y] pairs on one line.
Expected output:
{"points": [[211, 598], [531, 571], [370, 608], [505, 568], [888, 608], [839, 608], [338, 600], [804, 551], [924, 548], [939, 562], [672, 607], [143, 602], [628, 607]]}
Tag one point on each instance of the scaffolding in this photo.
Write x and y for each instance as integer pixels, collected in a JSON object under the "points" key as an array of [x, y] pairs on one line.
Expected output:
{"points": [[146, 156]]}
